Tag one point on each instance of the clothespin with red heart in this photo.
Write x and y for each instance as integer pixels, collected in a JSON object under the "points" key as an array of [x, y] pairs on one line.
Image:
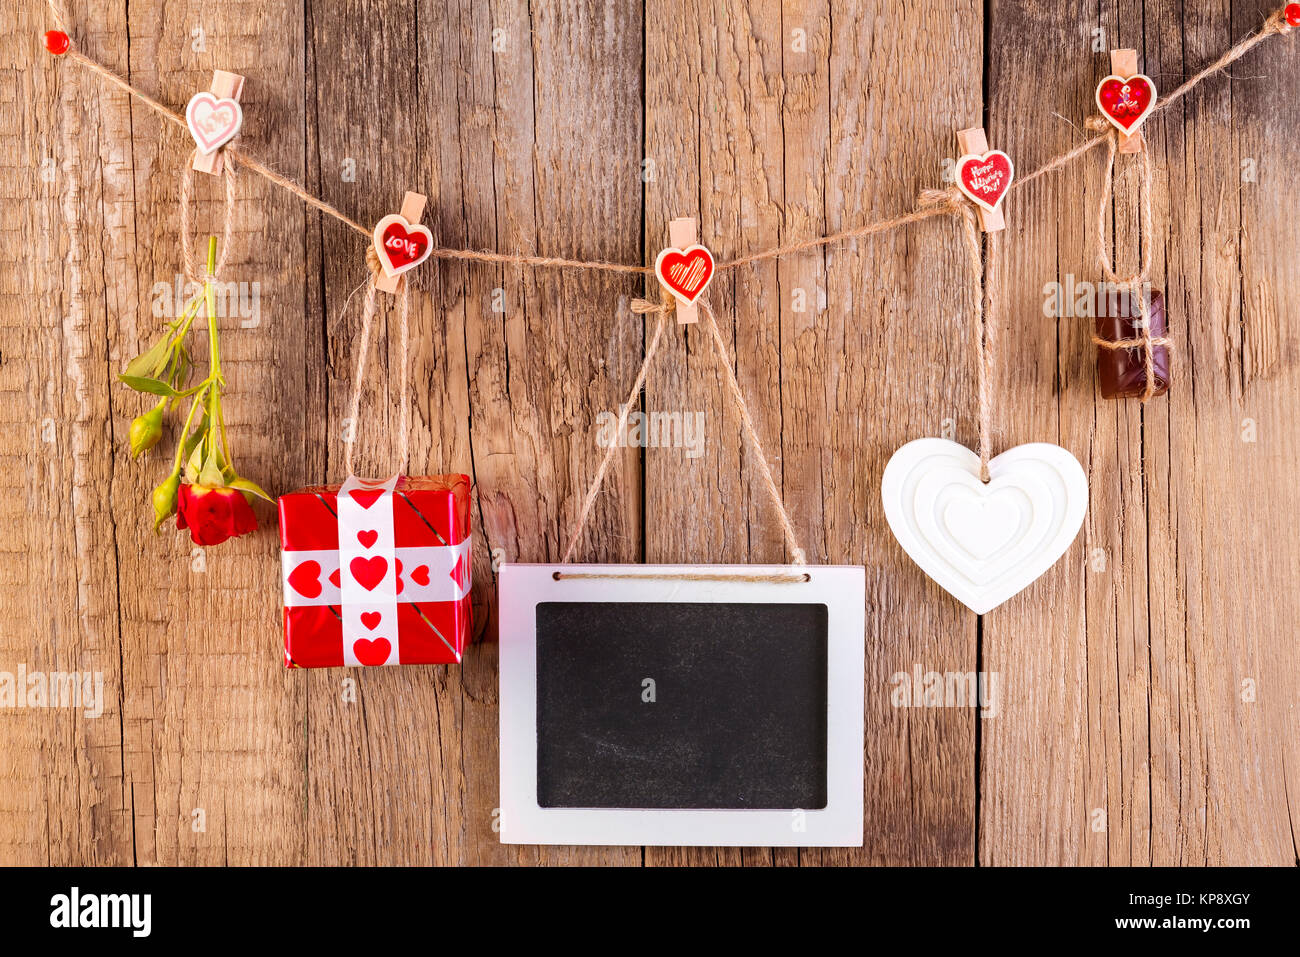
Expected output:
{"points": [[984, 176], [214, 118], [401, 243], [1126, 98], [685, 267]]}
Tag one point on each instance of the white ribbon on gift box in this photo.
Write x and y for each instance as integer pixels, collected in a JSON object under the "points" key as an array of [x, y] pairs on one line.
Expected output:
{"points": [[357, 599]]}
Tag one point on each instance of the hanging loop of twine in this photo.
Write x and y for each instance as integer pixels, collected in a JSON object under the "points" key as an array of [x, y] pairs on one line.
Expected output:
{"points": [[954, 202], [1135, 285], [196, 269], [661, 311], [363, 355]]}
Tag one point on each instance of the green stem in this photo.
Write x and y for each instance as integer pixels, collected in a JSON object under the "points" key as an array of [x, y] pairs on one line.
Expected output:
{"points": [[214, 351], [180, 445]]}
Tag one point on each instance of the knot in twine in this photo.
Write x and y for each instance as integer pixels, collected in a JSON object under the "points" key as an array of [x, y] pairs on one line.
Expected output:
{"points": [[1276, 23], [950, 200], [667, 303]]}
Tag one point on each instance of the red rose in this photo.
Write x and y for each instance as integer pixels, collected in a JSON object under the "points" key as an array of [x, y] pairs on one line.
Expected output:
{"points": [[213, 514]]}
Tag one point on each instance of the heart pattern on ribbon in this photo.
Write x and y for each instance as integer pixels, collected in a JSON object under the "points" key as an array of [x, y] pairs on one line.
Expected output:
{"points": [[371, 619], [213, 121], [367, 538], [372, 651], [685, 273], [1126, 103], [985, 179], [369, 572], [400, 245], [305, 579], [984, 543]]}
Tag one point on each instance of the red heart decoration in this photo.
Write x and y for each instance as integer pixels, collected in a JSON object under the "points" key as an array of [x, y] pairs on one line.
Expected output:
{"points": [[371, 619], [421, 575], [366, 497], [305, 579], [1126, 103], [367, 538], [686, 272], [401, 245], [400, 583], [369, 572], [334, 578], [985, 179], [370, 652]]}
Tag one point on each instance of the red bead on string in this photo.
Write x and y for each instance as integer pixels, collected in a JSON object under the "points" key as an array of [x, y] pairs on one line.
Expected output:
{"points": [[1293, 14], [57, 42]]}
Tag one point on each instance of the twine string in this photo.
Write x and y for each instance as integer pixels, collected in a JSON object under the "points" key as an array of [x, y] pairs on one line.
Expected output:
{"points": [[196, 270], [797, 555], [1274, 25], [1135, 285], [952, 202], [363, 355], [661, 312]]}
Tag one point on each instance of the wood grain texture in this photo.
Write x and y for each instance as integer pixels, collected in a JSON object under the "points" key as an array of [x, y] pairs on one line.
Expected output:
{"points": [[1145, 704]]}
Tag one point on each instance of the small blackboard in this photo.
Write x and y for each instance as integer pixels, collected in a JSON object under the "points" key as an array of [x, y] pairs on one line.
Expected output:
{"points": [[681, 705], [676, 705]]}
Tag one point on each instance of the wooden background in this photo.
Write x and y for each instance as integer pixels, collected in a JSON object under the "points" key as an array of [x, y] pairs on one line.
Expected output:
{"points": [[1149, 681]]}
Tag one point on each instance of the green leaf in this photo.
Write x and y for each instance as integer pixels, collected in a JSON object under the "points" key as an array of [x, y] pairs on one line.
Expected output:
{"points": [[211, 474], [246, 485], [144, 383]]}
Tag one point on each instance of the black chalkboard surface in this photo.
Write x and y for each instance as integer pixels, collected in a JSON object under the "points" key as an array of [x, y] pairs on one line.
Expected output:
{"points": [[681, 705]]}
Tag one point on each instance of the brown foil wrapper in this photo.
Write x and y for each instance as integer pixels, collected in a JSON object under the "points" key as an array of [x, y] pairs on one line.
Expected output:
{"points": [[1122, 372]]}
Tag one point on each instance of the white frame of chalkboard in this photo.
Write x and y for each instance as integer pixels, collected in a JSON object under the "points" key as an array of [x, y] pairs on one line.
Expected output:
{"points": [[841, 588]]}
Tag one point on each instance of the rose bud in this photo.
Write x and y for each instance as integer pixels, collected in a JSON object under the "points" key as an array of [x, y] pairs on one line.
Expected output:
{"points": [[214, 514], [146, 430], [164, 499]]}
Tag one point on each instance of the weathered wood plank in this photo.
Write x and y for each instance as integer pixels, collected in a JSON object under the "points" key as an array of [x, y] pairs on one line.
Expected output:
{"points": [[1123, 667], [1145, 682]]}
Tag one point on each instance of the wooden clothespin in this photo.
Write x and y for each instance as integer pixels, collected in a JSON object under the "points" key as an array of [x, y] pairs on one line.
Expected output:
{"points": [[1125, 98], [401, 243], [685, 267], [984, 175], [213, 121]]}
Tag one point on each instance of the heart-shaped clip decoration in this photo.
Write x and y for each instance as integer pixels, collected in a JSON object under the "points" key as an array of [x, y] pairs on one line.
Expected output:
{"points": [[400, 245], [1126, 103], [985, 179], [685, 273], [213, 121]]}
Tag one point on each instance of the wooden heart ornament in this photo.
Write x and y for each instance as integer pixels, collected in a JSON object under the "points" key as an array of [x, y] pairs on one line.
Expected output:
{"points": [[1126, 103], [401, 245], [984, 543], [985, 179], [213, 121], [685, 272]]}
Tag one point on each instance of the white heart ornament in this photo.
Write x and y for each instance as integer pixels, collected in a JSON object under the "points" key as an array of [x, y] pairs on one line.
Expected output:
{"points": [[984, 543], [213, 121]]}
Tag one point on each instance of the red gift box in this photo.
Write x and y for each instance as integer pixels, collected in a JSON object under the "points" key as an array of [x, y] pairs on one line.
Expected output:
{"points": [[376, 573]]}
